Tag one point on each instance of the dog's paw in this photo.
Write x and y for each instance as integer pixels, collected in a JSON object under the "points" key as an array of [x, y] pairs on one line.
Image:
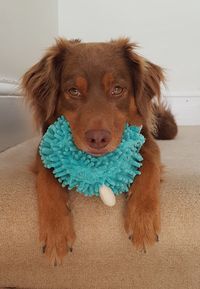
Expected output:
{"points": [[57, 237], [142, 227]]}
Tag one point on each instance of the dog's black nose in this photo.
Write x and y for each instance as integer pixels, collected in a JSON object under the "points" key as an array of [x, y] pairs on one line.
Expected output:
{"points": [[98, 139]]}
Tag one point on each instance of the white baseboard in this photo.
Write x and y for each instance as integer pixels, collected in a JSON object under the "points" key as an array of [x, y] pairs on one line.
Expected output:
{"points": [[15, 122], [186, 107], [9, 87]]}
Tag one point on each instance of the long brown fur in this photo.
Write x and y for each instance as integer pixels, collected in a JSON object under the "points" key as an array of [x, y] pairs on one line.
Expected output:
{"points": [[93, 69], [166, 127]]}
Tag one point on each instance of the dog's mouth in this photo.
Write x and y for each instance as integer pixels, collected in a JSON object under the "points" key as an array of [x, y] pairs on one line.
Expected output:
{"points": [[101, 152], [97, 153]]}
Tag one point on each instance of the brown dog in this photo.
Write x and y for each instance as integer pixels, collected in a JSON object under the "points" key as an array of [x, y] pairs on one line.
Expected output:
{"points": [[98, 87]]}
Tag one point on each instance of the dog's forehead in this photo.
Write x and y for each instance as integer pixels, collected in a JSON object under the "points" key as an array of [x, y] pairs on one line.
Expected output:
{"points": [[96, 58], [103, 49]]}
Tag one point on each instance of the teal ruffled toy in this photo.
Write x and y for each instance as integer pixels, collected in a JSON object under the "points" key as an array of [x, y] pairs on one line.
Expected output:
{"points": [[90, 175]]}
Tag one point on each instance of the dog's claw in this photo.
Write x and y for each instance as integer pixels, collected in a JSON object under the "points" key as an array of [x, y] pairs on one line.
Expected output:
{"points": [[68, 206], [130, 237], [144, 249], [55, 263], [44, 249], [157, 238], [71, 249], [126, 196]]}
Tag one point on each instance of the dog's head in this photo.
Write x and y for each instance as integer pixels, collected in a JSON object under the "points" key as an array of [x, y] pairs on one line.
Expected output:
{"points": [[98, 87]]}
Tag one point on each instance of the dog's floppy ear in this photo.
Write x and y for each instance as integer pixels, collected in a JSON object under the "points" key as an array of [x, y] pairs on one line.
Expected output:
{"points": [[41, 83], [146, 77], [153, 77]]}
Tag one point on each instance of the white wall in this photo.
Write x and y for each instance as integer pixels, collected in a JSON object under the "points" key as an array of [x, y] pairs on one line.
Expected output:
{"points": [[27, 27], [167, 30]]}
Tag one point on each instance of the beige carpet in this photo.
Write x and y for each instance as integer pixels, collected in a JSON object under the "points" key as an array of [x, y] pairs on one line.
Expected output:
{"points": [[103, 257]]}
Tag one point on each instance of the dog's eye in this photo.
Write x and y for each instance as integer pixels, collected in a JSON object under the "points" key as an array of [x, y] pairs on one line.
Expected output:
{"points": [[117, 90], [74, 92]]}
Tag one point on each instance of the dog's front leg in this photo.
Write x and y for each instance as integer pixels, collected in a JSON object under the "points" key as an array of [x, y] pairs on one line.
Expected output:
{"points": [[142, 214], [55, 221]]}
